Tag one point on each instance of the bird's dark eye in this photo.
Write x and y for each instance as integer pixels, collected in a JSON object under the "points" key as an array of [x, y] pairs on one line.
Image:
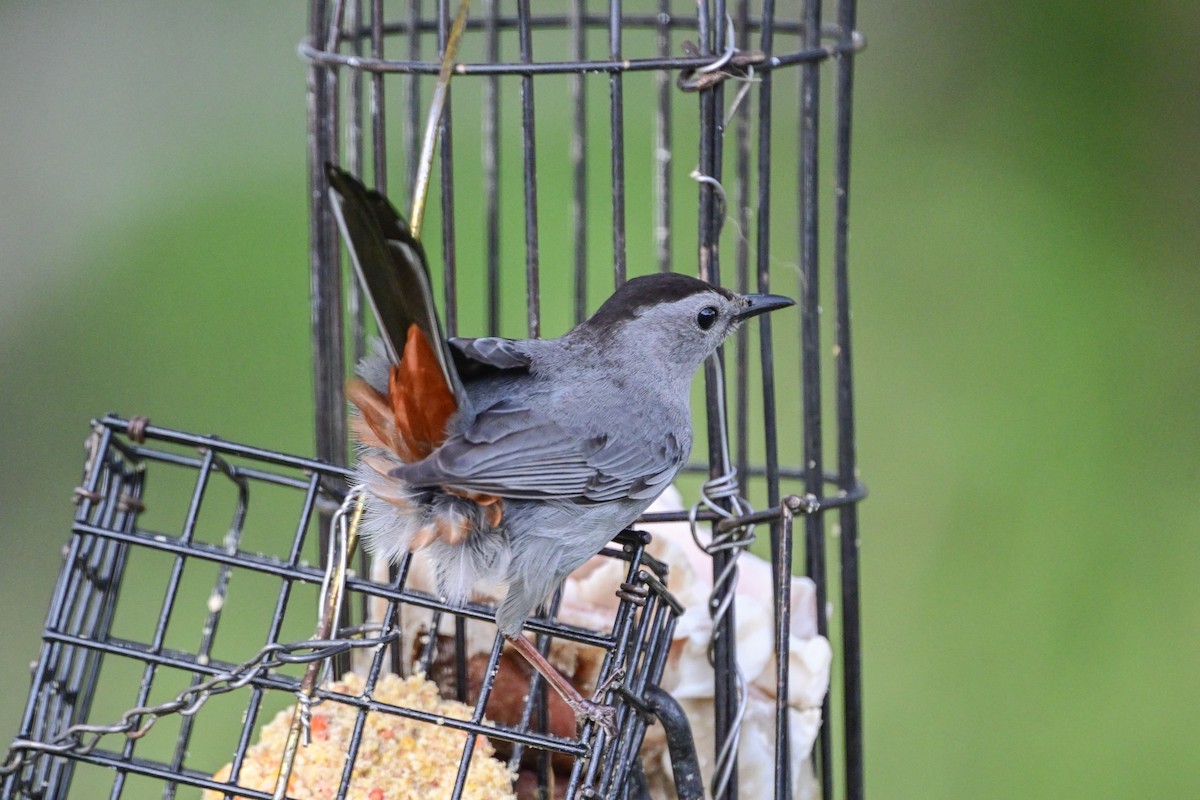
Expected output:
{"points": [[706, 317]]}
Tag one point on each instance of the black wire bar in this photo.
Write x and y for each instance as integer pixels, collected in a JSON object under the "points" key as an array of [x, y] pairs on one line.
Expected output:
{"points": [[613, 65], [758, 72]]}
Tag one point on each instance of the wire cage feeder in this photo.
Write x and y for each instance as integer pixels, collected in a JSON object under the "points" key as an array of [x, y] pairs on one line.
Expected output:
{"points": [[578, 146]]}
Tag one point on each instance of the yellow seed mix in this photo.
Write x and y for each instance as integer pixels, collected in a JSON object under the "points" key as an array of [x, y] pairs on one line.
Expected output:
{"points": [[399, 758]]}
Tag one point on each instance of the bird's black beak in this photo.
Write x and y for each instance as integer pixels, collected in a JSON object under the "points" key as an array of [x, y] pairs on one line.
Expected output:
{"points": [[762, 303]]}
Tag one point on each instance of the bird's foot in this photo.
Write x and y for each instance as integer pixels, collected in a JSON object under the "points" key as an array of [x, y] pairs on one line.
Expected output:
{"points": [[603, 715], [596, 709]]}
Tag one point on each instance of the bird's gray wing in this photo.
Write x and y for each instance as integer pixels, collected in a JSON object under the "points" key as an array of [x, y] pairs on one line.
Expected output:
{"points": [[515, 452], [475, 357], [639, 470]]}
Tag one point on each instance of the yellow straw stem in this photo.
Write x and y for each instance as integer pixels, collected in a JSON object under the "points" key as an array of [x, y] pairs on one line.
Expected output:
{"points": [[436, 106]]}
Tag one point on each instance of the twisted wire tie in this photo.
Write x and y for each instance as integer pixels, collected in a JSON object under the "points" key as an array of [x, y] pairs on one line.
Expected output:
{"points": [[724, 487]]}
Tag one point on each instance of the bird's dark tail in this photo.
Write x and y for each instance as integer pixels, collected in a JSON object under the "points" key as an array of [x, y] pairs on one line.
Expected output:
{"points": [[390, 264], [424, 389], [403, 412]]}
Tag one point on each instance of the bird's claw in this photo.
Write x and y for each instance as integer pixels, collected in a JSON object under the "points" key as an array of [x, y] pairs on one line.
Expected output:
{"points": [[597, 710], [609, 683], [603, 715]]}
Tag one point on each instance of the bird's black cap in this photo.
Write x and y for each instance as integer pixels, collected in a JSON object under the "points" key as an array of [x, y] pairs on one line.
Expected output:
{"points": [[644, 291]]}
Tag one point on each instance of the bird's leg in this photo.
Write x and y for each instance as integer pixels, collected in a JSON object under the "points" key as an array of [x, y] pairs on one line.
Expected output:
{"points": [[603, 715]]}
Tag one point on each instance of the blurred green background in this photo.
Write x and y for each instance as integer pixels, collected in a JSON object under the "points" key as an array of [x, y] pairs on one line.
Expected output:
{"points": [[1025, 234]]}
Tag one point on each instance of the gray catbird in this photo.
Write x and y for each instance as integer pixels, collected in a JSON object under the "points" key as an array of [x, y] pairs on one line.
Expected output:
{"points": [[518, 460]]}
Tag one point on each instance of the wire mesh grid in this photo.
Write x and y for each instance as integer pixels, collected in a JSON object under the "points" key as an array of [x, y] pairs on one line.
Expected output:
{"points": [[587, 142], [129, 685]]}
